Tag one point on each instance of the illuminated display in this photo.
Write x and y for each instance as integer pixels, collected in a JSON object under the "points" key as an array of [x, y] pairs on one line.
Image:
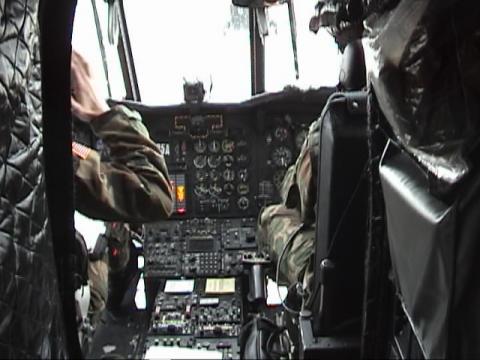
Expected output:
{"points": [[180, 193], [179, 189]]}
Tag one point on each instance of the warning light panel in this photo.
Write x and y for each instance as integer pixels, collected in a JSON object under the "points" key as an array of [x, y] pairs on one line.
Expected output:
{"points": [[180, 191]]}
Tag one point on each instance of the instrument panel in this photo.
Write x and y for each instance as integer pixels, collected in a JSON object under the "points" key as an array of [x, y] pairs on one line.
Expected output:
{"points": [[228, 166], [210, 323], [198, 247], [227, 160]]}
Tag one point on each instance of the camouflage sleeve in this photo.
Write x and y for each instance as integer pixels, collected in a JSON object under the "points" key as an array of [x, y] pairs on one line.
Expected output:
{"points": [[299, 184], [288, 190], [276, 225], [133, 186]]}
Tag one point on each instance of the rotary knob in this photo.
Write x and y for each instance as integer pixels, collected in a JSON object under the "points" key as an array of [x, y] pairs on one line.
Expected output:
{"points": [[243, 203]]}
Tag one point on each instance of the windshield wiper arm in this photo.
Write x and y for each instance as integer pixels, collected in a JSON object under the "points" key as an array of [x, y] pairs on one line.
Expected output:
{"points": [[293, 32], [101, 45]]}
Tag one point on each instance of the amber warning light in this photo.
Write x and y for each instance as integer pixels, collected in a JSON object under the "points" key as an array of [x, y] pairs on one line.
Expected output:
{"points": [[181, 193], [179, 189]]}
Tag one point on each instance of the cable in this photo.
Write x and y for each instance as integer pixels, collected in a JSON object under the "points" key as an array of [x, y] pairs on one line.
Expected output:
{"points": [[269, 344], [340, 222], [345, 211]]}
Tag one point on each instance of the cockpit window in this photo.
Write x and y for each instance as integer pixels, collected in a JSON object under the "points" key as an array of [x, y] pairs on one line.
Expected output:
{"points": [[318, 55], [85, 40], [189, 40], [174, 41]]}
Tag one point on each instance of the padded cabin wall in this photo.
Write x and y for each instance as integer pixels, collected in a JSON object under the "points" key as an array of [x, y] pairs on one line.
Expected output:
{"points": [[465, 320], [31, 320]]}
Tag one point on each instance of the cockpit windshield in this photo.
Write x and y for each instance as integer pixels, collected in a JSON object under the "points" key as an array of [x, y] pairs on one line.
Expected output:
{"points": [[191, 40], [318, 55], [208, 41]]}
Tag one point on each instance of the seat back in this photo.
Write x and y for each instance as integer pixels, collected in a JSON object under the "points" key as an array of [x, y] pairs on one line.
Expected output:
{"points": [[341, 216], [341, 199]]}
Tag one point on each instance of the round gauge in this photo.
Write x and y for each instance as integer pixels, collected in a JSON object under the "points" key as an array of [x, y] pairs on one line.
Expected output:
{"points": [[278, 178], [243, 159], [214, 161], [200, 161], [200, 190], [215, 190], [243, 175], [228, 160], [199, 146], [281, 133], [243, 203], [214, 146], [228, 189], [214, 175], [282, 156], [228, 175], [243, 189], [228, 145], [201, 175], [300, 138]]}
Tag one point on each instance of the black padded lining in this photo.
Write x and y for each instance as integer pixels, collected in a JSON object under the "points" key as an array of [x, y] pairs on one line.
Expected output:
{"points": [[31, 323]]}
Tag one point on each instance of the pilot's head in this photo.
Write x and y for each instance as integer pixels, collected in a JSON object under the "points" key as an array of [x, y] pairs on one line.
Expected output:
{"points": [[342, 18]]}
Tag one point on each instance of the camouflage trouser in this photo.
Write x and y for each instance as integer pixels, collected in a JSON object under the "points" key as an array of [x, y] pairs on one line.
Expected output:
{"points": [[98, 279], [114, 262], [277, 224]]}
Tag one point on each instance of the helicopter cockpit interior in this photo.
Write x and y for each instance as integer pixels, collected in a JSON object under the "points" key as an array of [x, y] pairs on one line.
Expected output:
{"points": [[321, 167], [228, 134]]}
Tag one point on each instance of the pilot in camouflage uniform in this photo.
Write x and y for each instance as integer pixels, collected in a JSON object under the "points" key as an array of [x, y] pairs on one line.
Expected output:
{"points": [[291, 223], [132, 187]]}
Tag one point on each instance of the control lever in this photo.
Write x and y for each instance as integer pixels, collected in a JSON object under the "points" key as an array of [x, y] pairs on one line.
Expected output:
{"points": [[327, 295], [257, 264], [100, 248]]}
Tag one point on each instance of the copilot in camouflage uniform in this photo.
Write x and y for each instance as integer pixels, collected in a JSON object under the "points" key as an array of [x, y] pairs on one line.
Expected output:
{"points": [[278, 223], [133, 186]]}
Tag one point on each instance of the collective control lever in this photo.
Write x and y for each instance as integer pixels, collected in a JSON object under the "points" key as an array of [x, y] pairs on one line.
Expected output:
{"points": [[257, 264]]}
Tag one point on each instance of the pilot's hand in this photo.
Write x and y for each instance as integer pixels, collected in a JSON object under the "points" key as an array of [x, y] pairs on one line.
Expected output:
{"points": [[87, 101]]}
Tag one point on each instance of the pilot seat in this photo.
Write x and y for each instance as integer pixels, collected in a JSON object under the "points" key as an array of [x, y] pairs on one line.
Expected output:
{"points": [[331, 324]]}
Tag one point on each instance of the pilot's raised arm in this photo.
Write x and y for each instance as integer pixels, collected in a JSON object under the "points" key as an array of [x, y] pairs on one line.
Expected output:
{"points": [[134, 185]]}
